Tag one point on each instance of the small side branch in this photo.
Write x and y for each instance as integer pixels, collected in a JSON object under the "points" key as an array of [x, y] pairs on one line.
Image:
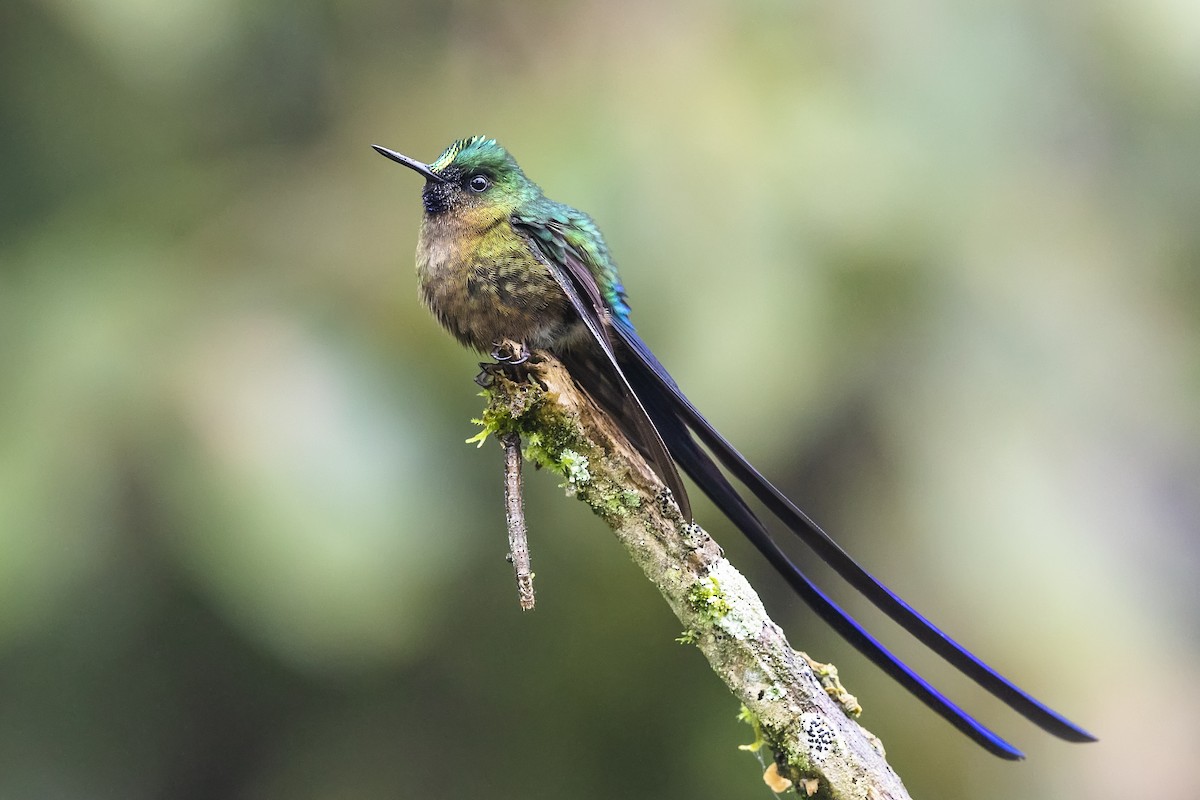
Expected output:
{"points": [[819, 749], [514, 512]]}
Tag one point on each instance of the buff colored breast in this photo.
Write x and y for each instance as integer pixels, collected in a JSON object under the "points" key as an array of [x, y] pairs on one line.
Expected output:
{"points": [[483, 285]]}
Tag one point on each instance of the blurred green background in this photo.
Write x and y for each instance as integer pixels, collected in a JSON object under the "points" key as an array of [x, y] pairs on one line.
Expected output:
{"points": [[933, 266]]}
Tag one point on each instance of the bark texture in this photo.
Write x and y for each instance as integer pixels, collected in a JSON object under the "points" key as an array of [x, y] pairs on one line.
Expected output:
{"points": [[818, 749]]}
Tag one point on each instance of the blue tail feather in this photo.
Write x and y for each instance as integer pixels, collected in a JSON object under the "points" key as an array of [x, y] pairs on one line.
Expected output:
{"points": [[674, 415]]}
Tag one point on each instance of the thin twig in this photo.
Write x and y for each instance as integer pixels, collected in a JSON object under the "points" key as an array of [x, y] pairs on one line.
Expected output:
{"points": [[514, 512]]}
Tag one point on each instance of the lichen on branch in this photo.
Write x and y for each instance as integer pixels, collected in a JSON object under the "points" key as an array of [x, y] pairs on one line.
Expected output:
{"points": [[818, 749]]}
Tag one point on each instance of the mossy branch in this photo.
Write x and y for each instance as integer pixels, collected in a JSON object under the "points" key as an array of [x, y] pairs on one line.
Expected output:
{"points": [[819, 749]]}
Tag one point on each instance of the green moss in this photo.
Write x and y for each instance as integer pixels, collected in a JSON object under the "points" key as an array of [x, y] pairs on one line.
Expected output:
{"points": [[750, 718], [497, 419], [613, 502], [707, 599], [689, 636], [546, 438], [550, 439]]}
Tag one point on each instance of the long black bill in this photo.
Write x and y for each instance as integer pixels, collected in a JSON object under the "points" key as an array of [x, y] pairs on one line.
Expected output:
{"points": [[411, 163]]}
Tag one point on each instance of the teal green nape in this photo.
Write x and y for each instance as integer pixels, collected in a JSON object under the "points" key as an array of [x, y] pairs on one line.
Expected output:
{"points": [[499, 262]]}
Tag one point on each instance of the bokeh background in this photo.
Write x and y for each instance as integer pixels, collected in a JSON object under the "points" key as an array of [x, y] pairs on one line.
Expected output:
{"points": [[933, 265]]}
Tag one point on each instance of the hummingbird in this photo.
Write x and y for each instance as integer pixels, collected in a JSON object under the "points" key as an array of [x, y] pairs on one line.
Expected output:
{"points": [[498, 261]]}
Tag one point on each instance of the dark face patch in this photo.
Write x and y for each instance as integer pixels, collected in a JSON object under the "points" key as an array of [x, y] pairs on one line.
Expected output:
{"points": [[436, 197], [439, 197]]}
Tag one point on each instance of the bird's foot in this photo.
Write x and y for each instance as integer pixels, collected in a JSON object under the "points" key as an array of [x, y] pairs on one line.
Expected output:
{"points": [[487, 374], [509, 352], [511, 358]]}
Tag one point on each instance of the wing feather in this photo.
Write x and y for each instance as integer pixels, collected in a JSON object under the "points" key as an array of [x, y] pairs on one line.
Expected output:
{"points": [[579, 284]]}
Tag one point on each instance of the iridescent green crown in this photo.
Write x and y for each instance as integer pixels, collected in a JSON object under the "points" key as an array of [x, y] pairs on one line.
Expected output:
{"points": [[446, 158]]}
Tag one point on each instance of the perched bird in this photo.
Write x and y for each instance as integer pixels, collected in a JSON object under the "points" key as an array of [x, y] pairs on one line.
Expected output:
{"points": [[497, 260]]}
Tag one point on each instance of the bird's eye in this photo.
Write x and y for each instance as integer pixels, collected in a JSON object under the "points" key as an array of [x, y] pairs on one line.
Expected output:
{"points": [[479, 183]]}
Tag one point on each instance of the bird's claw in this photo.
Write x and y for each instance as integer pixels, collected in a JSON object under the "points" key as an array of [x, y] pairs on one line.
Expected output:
{"points": [[510, 358], [510, 352], [487, 374]]}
